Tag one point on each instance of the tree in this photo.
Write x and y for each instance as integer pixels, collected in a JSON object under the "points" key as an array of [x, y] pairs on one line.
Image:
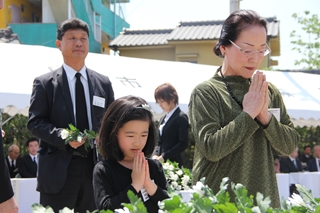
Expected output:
{"points": [[309, 49]]}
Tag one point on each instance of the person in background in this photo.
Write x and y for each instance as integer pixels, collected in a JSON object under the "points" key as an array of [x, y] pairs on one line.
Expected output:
{"points": [[305, 156], [173, 128], [72, 94], [126, 137], [314, 163], [291, 163], [12, 160], [235, 134], [276, 163], [28, 164]]}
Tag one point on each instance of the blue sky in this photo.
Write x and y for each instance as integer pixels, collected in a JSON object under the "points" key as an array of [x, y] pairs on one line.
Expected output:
{"points": [[156, 14]]}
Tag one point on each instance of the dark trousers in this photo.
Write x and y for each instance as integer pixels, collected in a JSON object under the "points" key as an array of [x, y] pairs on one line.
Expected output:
{"points": [[77, 192]]}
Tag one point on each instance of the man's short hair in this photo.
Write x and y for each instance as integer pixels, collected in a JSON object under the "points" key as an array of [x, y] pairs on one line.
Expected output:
{"points": [[31, 140], [73, 23]]}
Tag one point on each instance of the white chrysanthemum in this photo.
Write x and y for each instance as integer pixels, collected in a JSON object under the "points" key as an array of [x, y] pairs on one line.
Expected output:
{"points": [[79, 138], [165, 166], [171, 167], [124, 210], [198, 188], [185, 179], [296, 200], [179, 172], [174, 184], [64, 134], [174, 177]]}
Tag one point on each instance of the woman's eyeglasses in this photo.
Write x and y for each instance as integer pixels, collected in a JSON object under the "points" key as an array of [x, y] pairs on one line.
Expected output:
{"points": [[250, 52]]}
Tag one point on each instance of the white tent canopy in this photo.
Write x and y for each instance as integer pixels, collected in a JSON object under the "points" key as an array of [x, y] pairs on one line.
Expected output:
{"points": [[20, 64]]}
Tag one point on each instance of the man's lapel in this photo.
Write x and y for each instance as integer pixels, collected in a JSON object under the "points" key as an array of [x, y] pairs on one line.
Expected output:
{"points": [[64, 88]]}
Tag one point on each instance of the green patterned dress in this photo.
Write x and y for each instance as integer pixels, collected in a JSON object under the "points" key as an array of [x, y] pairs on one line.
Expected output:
{"points": [[229, 143]]}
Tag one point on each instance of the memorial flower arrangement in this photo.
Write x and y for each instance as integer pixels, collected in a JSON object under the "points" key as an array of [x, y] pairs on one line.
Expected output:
{"points": [[205, 201], [177, 178], [74, 134]]}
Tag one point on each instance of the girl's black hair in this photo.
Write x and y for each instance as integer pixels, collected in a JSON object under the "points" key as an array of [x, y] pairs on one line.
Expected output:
{"points": [[121, 111]]}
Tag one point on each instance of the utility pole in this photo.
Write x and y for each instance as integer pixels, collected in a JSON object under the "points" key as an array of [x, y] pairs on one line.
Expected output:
{"points": [[234, 5]]}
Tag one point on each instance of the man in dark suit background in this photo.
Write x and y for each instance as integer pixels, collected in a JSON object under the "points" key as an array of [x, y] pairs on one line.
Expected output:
{"points": [[305, 156], [72, 94], [291, 164], [12, 160], [28, 164], [173, 129], [314, 164]]}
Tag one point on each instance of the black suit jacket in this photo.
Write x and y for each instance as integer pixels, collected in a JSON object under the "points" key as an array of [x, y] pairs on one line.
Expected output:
{"points": [[5, 183], [50, 111], [312, 165], [174, 138], [12, 172], [287, 166], [27, 168], [304, 158]]}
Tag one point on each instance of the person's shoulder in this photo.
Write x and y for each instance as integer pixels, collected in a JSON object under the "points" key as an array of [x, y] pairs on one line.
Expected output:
{"points": [[47, 77], [97, 75]]}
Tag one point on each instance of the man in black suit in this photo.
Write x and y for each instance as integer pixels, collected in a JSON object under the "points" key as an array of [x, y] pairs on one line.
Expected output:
{"points": [[305, 156], [7, 201], [314, 164], [12, 160], [173, 129], [72, 94], [291, 163], [28, 164]]}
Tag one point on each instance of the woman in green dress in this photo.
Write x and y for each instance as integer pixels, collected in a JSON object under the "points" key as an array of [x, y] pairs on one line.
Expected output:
{"points": [[235, 134]]}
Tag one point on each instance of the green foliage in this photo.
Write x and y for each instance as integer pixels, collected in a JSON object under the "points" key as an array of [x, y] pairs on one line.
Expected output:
{"points": [[136, 205], [310, 49], [16, 132]]}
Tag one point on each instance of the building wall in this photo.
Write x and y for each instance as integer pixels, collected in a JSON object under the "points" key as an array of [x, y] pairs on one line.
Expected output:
{"points": [[166, 53], [13, 12], [200, 52]]}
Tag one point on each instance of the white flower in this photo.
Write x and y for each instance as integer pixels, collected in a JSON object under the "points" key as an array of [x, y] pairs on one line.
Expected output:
{"points": [[198, 188], [174, 177], [296, 200], [64, 134], [179, 172], [185, 179], [79, 138], [124, 210], [174, 184], [165, 166]]}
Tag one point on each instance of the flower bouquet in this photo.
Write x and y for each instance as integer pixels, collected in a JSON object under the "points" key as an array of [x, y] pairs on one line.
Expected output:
{"points": [[74, 134], [177, 178]]}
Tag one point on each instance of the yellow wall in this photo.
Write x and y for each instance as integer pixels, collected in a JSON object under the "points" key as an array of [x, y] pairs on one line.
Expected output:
{"points": [[157, 53], [200, 52], [26, 15]]}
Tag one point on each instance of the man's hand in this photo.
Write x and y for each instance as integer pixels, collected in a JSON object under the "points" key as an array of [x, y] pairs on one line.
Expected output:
{"points": [[9, 206]]}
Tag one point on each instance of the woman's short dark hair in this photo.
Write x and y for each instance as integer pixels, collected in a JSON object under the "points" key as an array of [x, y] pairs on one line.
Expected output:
{"points": [[167, 93], [73, 23], [121, 111], [237, 22]]}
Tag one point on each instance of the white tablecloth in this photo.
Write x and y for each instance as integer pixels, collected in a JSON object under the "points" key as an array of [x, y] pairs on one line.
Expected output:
{"points": [[25, 193]]}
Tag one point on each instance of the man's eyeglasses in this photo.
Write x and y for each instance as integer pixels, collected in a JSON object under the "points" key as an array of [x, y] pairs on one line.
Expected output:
{"points": [[250, 52]]}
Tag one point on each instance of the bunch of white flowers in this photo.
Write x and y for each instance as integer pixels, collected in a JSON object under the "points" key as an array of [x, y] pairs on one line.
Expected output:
{"points": [[177, 178], [73, 134]]}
